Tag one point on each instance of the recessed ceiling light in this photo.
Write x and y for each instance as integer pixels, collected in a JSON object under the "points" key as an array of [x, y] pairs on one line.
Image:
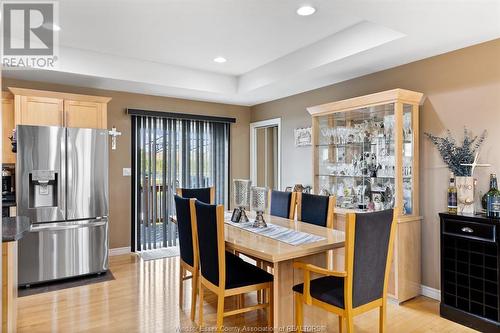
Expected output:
{"points": [[306, 10], [220, 60]]}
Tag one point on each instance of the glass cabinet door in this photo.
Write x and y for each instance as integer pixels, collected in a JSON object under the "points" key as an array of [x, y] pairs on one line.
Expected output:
{"points": [[356, 157]]}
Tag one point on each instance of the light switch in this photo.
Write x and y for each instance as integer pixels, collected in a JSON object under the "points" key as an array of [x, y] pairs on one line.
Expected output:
{"points": [[127, 172]]}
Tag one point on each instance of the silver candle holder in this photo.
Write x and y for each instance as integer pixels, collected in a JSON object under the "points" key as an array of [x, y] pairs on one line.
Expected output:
{"points": [[259, 204], [241, 192]]}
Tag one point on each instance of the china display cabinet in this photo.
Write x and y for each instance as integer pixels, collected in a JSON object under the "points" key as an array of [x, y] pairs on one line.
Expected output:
{"points": [[366, 154]]}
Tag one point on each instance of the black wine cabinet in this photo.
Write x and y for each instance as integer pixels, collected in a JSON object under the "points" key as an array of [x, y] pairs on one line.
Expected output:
{"points": [[470, 275]]}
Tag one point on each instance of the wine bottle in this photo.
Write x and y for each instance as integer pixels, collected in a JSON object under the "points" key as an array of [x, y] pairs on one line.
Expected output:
{"points": [[452, 195], [493, 198]]}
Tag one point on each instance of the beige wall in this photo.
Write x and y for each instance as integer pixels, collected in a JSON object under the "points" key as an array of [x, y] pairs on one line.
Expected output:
{"points": [[119, 191], [461, 88]]}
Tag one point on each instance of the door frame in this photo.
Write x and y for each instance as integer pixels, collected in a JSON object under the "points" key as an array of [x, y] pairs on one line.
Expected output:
{"points": [[253, 147]]}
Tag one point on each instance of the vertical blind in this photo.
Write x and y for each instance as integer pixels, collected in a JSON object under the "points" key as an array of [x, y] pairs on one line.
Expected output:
{"points": [[168, 153]]}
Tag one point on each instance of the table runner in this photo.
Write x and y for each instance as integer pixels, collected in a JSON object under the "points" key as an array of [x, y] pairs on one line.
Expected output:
{"points": [[279, 233]]}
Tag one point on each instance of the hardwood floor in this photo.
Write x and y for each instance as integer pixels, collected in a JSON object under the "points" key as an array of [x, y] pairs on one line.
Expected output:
{"points": [[144, 298]]}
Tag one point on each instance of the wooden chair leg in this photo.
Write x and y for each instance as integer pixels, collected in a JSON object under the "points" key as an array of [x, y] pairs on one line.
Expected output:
{"points": [[200, 309], [241, 300], [341, 322], [181, 286], [382, 319], [349, 323], [299, 316], [220, 312], [270, 313], [260, 294], [194, 291]]}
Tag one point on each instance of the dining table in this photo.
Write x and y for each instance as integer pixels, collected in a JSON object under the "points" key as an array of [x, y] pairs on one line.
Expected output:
{"points": [[280, 256]]}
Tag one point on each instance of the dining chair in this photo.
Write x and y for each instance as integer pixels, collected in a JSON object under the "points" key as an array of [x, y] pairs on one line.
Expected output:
{"points": [[222, 272], [204, 194], [188, 257], [315, 209], [362, 286], [318, 210], [282, 204]]}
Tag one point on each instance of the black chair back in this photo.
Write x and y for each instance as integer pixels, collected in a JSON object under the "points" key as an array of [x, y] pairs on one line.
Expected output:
{"points": [[206, 222], [202, 194], [183, 212], [314, 209], [371, 247], [280, 203]]}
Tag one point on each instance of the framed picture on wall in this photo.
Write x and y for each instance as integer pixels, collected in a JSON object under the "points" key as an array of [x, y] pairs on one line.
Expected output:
{"points": [[303, 137]]}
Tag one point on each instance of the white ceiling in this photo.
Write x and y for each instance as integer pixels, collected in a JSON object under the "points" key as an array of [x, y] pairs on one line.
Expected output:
{"points": [[166, 47]]}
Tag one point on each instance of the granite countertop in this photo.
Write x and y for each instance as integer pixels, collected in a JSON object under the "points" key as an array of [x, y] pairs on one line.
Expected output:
{"points": [[14, 228]]}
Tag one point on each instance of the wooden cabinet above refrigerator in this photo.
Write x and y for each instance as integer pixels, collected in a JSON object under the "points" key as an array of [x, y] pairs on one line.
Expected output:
{"points": [[50, 108]]}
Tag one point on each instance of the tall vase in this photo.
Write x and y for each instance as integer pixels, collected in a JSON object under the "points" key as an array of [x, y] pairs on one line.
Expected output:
{"points": [[465, 194]]}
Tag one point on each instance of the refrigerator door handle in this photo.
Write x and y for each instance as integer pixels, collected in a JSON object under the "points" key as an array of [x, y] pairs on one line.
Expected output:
{"points": [[66, 226]]}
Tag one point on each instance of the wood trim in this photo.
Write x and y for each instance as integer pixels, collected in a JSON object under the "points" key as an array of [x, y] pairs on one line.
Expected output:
{"points": [[55, 94], [269, 196], [299, 206], [212, 195], [317, 269], [384, 97], [221, 247], [350, 230], [196, 261], [244, 310], [293, 205], [332, 201]]}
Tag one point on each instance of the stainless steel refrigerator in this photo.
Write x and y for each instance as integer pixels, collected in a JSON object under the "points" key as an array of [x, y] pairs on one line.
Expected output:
{"points": [[62, 186]]}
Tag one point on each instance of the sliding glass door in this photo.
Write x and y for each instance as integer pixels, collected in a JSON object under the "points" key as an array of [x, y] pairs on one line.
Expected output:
{"points": [[168, 153]]}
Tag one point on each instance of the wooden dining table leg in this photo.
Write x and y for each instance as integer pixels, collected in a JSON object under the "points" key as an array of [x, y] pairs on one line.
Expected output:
{"points": [[285, 277], [283, 295]]}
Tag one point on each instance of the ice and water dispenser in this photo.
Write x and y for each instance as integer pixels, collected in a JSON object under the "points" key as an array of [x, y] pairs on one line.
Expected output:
{"points": [[43, 188]]}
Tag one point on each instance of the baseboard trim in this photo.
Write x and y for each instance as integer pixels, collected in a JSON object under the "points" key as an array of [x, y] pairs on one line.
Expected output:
{"points": [[119, 251], [430, 292]]}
